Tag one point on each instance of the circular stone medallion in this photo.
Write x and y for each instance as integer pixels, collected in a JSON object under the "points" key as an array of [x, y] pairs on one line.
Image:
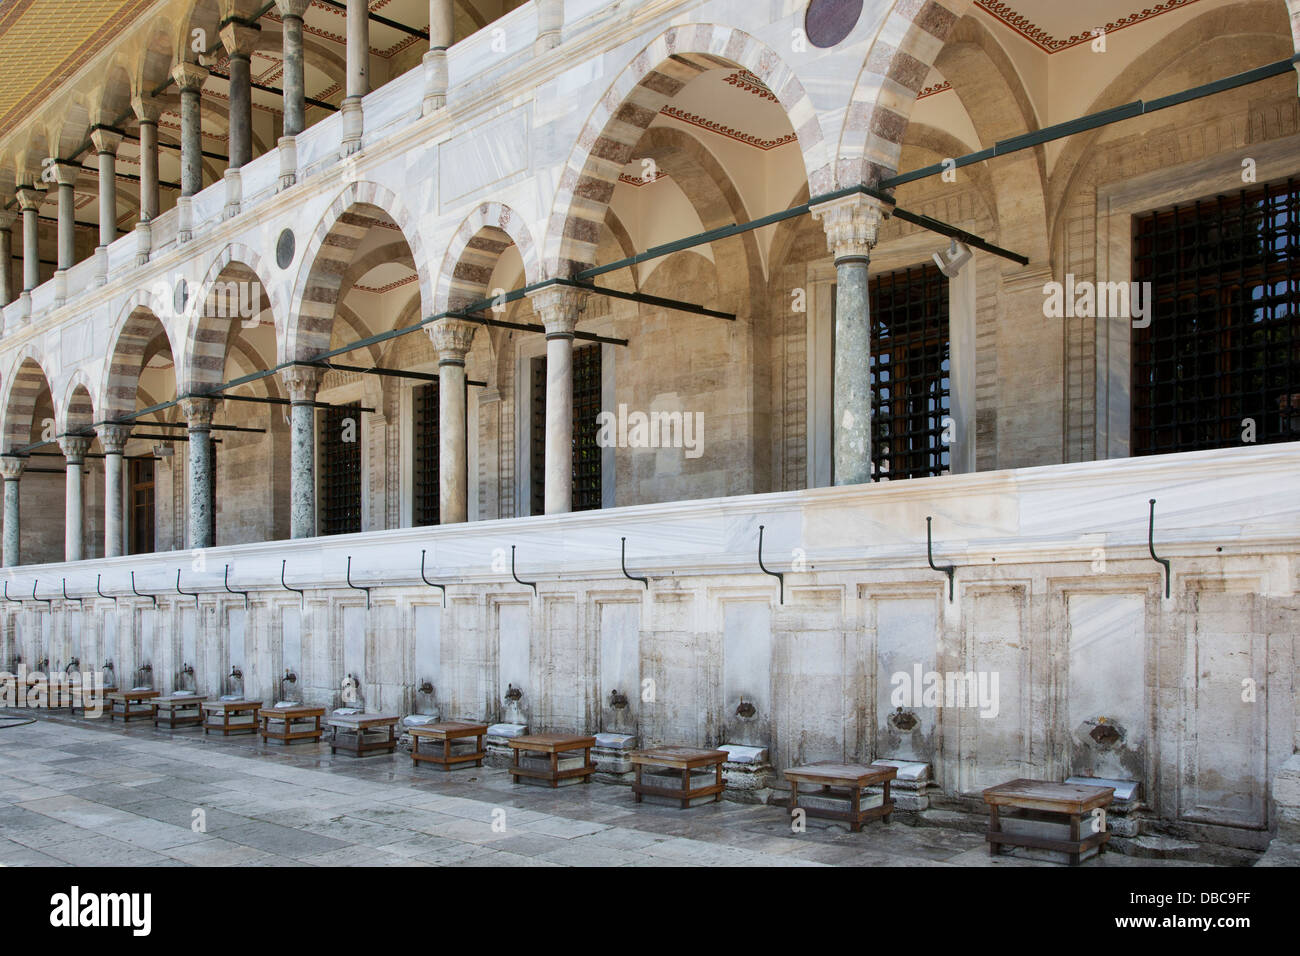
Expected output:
{"points": [[827, 22], [284, 247], [180, 296]]}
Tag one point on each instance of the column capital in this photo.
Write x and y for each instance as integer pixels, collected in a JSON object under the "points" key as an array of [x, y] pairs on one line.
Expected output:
{"points": [[113, 438], [559, 307], [189, 76], [65, 173], [292, 8], [106, 140], [452, 338], [74, 448], [11, 467], [240, 39], [851, 224], [198, 412], [147, 109], [302, 381], [29, 198]]}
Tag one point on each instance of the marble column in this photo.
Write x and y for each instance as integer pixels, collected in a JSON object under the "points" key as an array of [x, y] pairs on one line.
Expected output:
{"points": [[302, 382], [851, 225], [198, 415], [559, 308], [65, 174], [30, 199], [452, 339], [147, 110], [240, 40], [7, 219], [189, 78], [113, 439], [291, 14], [358, 73], [11, 467], [74, 452], [106, 142], [441, 23]]}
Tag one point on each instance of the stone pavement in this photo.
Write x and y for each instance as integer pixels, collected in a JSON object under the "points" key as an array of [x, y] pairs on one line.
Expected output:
{"points": [[87, 793]]}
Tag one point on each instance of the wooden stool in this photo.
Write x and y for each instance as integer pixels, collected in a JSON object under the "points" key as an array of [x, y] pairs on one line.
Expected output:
{"points": [[135, 703], [447, 732], [852, 778], [175, 710], [348, 733], [217, 715], [553, 745], [291, 716], [684, 759], [1045, 802]]}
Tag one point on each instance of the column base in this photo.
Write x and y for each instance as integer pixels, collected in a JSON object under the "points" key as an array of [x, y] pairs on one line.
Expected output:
{"points": [[101, 265], [288, 147], [353, 125], [234, 194], [60, 287], [435, 81], [184, 219], [545, 42], [24, 307], [143, 242]]}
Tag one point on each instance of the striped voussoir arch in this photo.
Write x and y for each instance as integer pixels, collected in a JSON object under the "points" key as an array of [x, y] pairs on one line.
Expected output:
{"points": [[25, 386], [331, 250], [474, 252], [894, 73], [217, 307], [79, 410], [139, 327], [616, 125]]}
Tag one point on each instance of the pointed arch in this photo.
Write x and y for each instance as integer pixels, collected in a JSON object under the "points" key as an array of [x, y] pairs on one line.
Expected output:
{"points": [[461, 280], [327, 258], [631, 104]]}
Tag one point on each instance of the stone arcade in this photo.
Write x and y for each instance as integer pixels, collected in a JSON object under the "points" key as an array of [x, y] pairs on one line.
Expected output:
{"points": [[359, 290]]}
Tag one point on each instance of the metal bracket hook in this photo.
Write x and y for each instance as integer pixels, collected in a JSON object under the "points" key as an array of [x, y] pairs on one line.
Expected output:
{"points": [[1151, 545], [80, 601], [947, 569], [46, 601], [100, 592], [152, 597], [776, 574], [631, 577], [193, 594], [302, 595], [11, 599], [226, 582], [531, 584], [440, 587], [357, 587]]}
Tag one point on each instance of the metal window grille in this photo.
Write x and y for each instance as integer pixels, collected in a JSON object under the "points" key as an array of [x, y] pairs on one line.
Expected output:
{"points": [[586, 453], [142, 505], [586, 406], [425, 404], [1223, 343], [910, 348], [537, 436], [340, 469]]}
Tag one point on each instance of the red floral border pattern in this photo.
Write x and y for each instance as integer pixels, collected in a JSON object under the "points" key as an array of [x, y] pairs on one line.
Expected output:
{"points": [[715, 127], [1050, 44], [940, 87], [744, 80]]}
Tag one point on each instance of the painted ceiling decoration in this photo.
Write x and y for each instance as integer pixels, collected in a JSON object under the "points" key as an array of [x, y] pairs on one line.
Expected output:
{"points": [[1053, 26], [44, 42]]}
